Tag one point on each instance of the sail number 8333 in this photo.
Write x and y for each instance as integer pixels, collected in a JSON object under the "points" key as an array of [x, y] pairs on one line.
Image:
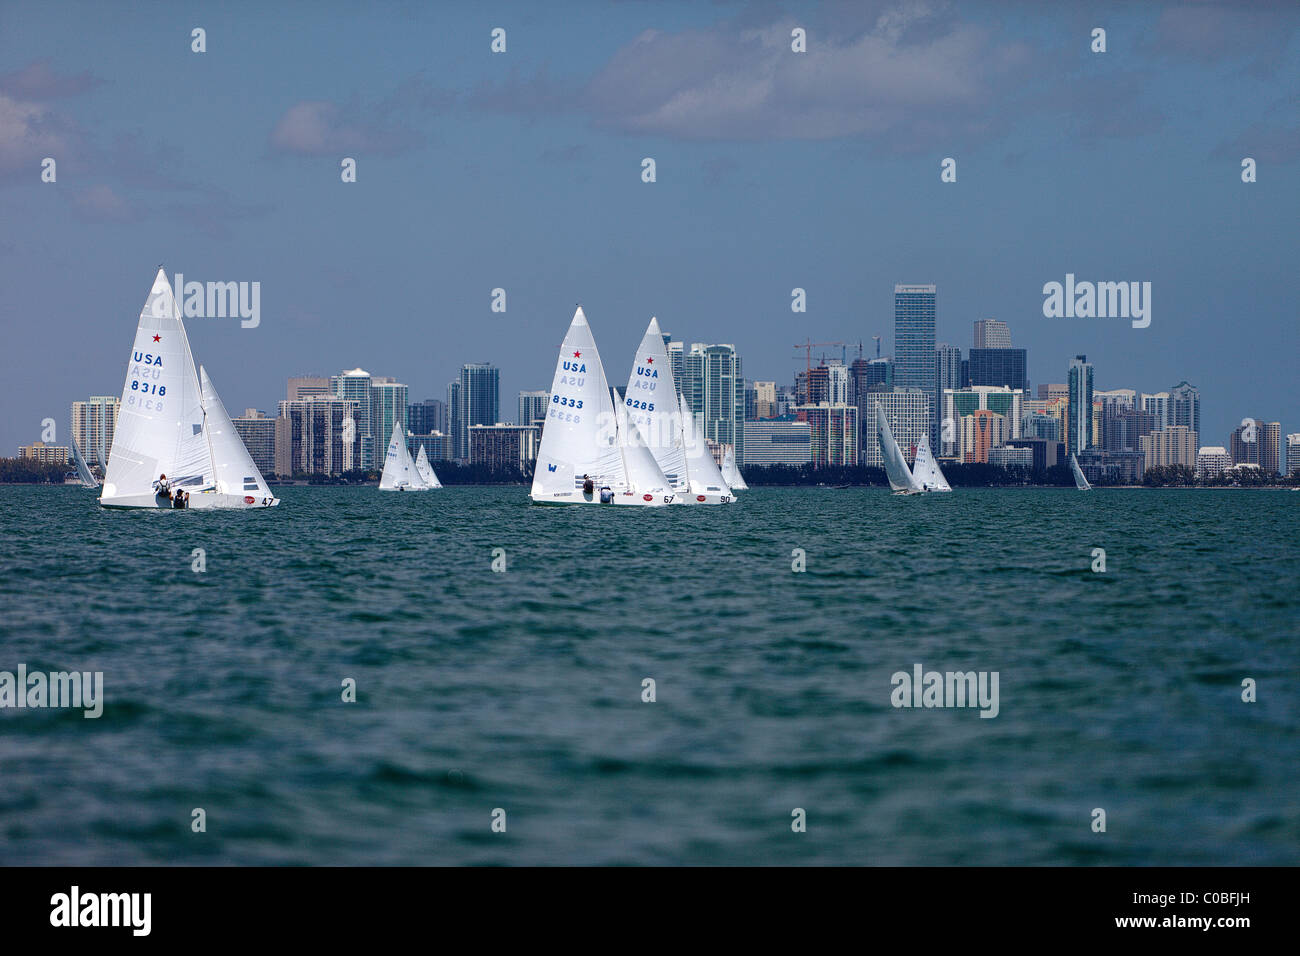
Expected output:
{"points": [[560, 402]]}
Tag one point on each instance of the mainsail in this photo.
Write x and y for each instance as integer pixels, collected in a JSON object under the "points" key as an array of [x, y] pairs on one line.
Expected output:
{"points": [[900, 478], [644, 476], [925, 470], [730, 473], [399, 472], [706, 481], [83, 470], [425, 470], [1080, 481], [651, 403], [580, 436]]}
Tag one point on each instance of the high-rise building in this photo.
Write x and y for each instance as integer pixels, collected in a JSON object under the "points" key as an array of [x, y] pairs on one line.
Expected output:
{"points": [[532, 407], [1078, 431], [980, 432], [436, 445], [1212, 461], [908, 413], [323, 437], [914, 325], [837, 384], [1293, 453], [992, 334], [301, 386], [388, 407], [764, 400], [1007, 367], [1116, 398], [1175, 445], [502, 447], [1012, 456], [93, 424], [961, 403], [477, 402], [948, 369], [1053, 392], [1256, 442], [1157, 406], [355, 386], [777, 442], [1185, 406], [1123, 425], [258, 435], [430, 415], [713, 384], [832, 433]]}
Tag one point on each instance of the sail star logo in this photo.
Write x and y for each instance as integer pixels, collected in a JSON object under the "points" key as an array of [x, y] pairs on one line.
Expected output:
{"points": [[157, 338], [577, 355], [650, 360]]}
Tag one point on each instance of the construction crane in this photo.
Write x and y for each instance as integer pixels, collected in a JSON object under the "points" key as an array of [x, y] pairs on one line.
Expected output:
{"points": [[809, 345]]}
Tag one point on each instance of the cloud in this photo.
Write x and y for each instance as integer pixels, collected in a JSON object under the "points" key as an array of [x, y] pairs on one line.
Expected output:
{"points": [[29, 133], [1208, 31], [323, 128], [38, 82], [101, 204]]}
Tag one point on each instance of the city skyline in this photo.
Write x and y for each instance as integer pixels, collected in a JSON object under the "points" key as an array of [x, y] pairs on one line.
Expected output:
{"points": [[522, 172]]}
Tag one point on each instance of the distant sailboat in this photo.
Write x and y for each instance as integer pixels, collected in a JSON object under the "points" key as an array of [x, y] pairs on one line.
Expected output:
{"points": [[1080, 481], [87, 477], [399, 472], [730, 473], [582, 459], [925, 470], [425, 470], [171, 424], [900, 477]]}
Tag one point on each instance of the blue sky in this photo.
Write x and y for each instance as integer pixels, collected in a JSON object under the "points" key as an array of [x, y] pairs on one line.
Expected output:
{"points": [[522, 170]]}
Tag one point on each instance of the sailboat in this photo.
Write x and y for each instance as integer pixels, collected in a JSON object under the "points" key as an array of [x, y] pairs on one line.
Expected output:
{"points": [[582, 459], [652, 407], [707, 486], [1080, 481], [925, 470], [425, 470], [399, 472], [88, 479], [172, 424], [901, 479], [730, 473], [644, 476]]}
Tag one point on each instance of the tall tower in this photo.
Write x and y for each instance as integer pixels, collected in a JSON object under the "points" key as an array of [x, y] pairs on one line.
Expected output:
{"points": [[479, 401], [992, 334], [1079, 430], [914, 357]]}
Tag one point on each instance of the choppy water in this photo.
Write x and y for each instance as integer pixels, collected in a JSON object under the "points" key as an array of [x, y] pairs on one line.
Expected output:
{"points": [[522, 690]]}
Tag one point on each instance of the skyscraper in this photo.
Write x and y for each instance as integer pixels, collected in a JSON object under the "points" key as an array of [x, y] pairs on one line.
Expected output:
{"points": [[1293, 453], [93, 423], [906, 411], [300, 386], [258, 434], [1256, 442], [427, 417], [991, 334], [532, 406], [478, 402], [1185, 406], [1006, 367], [914, 318], [1078, 432], [722, 403], [947, 359], [354, 386], [388, 407], [320, 439]]}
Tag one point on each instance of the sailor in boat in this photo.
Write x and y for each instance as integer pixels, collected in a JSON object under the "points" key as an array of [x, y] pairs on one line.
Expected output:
{"points": [[606, 495], [163, 487], [588, 486]]}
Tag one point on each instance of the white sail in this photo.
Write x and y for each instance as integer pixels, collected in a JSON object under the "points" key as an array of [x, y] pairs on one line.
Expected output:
{"points": [[644, 476], [160, 426], [83, 470], [730, 473], [399, 472], [651, 403], [235, 473], [580, 437], [925, 470], [900, 478], [706, 482], [425, 470], [1080, 481]]}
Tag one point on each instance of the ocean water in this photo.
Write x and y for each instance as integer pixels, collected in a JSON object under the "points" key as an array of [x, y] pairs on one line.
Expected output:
{"points": [[522, 690]]}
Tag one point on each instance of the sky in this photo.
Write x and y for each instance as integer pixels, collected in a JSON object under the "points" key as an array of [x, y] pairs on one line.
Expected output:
{"points": [[522, 170]]}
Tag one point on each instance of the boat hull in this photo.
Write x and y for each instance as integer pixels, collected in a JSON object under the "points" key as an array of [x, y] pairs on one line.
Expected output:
{"points": [[199, 501], [704, 498], [627, 499]]}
